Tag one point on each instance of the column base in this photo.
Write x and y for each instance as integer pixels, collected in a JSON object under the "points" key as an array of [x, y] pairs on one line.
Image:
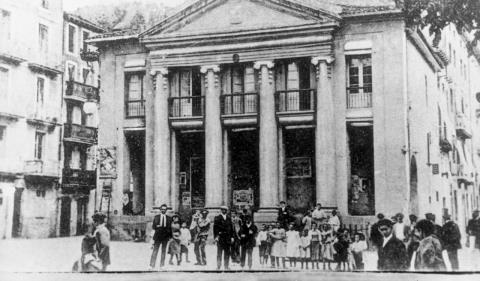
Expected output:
{"points": [[265, 216]]}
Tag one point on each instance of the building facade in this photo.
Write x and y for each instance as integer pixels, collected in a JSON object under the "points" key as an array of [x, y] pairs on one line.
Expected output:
{"points": [[46, 173], [248, 103]]}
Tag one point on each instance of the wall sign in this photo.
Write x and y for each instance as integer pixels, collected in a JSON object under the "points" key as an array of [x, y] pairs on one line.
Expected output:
{"points": [[299, 167]]}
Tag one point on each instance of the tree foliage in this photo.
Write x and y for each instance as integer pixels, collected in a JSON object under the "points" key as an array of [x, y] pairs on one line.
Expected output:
{"points": [[437, 14]]}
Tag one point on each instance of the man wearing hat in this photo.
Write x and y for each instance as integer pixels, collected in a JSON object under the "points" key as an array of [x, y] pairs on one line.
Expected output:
{"points": [[102, 235], [375, 235], [223, 234], [162, 225], [202, 229], [438, 228], [450, 236], [248, 233], [392, 254]]}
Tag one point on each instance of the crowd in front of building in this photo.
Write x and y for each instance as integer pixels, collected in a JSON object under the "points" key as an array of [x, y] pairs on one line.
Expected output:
{"points": [[317, 238]]}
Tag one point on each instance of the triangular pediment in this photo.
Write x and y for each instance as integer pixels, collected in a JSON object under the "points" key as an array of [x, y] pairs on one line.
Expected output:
{"points": [[230, 16]]}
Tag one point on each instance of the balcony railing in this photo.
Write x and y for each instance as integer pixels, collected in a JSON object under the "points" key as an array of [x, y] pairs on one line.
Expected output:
{"points": [[193, 106], [79, 177], [359, 97], [80, 133], [41, 168], [82, 91], [295, 100], [135, 109], [462, 127], [239, 104]]}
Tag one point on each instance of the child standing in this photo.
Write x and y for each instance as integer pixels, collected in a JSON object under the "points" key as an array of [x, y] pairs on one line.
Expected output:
{"points": [[357, 247], [315, 238], [293, 245], [305, 248], [185, 239], [341, 252], [278, 245], [326, 241], [262, 245], [174, 247]]}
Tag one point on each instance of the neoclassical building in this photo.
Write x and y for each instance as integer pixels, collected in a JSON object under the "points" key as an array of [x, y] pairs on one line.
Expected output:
{"points": [[253, 102]]}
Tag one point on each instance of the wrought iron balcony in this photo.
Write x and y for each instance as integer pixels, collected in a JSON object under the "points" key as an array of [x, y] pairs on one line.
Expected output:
{"points": [[80, 133], [135, 109], [41, 168], [239, 104], [462, 128], [81, 91], [295, 101], [359, 97], [79, 177], [186, 107]]}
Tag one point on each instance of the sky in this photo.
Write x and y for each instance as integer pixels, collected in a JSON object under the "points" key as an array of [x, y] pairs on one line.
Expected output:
{"points": [[71, 5]]}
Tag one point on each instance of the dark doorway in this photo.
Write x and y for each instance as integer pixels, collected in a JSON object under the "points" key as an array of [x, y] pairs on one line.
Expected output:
{"points": [[191, 181], [65, 216], [244, 175], [82, 216], [361, 190], [136, 192], [17, 207], [300, 168]]}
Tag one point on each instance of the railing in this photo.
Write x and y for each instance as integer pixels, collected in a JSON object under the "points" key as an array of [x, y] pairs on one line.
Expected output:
{"points": [[239, 103], [79, 177], [192, 106], [359, 97], [134, 109], [295, 100], [41, 167], [80, 132], [80, 90]]}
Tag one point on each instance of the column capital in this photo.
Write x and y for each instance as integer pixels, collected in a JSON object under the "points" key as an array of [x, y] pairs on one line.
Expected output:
{"points": [[162, 70], [327, 59], [267, 63], [213, 67]]}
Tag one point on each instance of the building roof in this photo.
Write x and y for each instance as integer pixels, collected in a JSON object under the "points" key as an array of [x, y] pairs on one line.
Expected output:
{"points": [[83, 22], [335, 8]]}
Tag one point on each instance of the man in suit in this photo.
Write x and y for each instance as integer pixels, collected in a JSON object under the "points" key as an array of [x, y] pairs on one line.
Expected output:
{"points": [[284, 215], [248, 233], [392, 255], [223, 234], [438, 228], [375, 235], [162, 225], [450, 235]]}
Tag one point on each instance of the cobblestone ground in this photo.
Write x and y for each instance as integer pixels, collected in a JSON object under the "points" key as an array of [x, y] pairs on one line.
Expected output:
{"points": [[58, 255]]}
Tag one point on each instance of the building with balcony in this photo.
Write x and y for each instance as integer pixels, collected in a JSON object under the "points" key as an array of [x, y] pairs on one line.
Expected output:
{"points": [[30, 116], [249, 103], [81, 85]]}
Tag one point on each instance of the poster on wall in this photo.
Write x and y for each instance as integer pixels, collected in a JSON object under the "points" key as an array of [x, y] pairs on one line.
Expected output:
{"points": [[299, 167], [105, 201], [186, 199], [107, 160], [243, 197]]}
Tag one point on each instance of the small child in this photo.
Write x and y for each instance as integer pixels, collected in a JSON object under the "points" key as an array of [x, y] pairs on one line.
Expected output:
{"points": [[262, 245], [174, 247], [305, 248], [341, 252], [185, 238], [357, 248], [315, 246], [326, 241], [268, 250], [293, 245]]}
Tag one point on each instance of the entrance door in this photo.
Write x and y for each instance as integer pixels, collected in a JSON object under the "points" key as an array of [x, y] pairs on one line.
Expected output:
{"points": [[17, 203], [65, 216], [81, 216]]}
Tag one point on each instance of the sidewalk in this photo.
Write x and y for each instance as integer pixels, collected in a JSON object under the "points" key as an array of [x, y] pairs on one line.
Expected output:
{"points": [[58, 255]]}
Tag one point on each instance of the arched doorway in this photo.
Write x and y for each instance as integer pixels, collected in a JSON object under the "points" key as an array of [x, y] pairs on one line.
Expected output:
{"points": [[413, 205]]}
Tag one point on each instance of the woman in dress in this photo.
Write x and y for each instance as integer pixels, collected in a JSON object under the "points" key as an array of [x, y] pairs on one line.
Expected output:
{"points": [[293, 245], [315, 237], [278, 238]]}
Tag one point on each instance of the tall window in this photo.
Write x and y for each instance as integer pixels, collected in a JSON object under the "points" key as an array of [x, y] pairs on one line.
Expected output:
{"points": [[39, 144], [71, 38], [359, 88], [40, 91], [4, 84], [3, 142], [4, 25], [43, 38], [85, 36], [45, 4], [134, 95]]}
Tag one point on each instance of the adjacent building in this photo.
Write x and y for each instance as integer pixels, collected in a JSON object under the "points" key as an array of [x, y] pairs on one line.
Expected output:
{"points": [[47, 152]]}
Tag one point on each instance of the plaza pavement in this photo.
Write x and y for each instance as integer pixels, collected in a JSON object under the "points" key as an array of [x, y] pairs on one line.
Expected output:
{"points": [[59, 254]]}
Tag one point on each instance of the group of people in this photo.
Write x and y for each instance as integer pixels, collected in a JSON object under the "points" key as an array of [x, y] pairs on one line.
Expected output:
{"points": [[419, 246]]}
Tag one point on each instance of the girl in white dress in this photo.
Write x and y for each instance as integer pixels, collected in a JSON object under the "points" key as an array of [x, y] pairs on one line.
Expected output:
{"points": [[277, 236], [293, 245], [305, 248]]}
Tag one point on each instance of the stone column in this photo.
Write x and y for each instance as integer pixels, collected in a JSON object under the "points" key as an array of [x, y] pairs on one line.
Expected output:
{"points": [[268, 146], [162, 140], [226, 169], [213, 138], [149, 145], [324, 136], [174, 164]]}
